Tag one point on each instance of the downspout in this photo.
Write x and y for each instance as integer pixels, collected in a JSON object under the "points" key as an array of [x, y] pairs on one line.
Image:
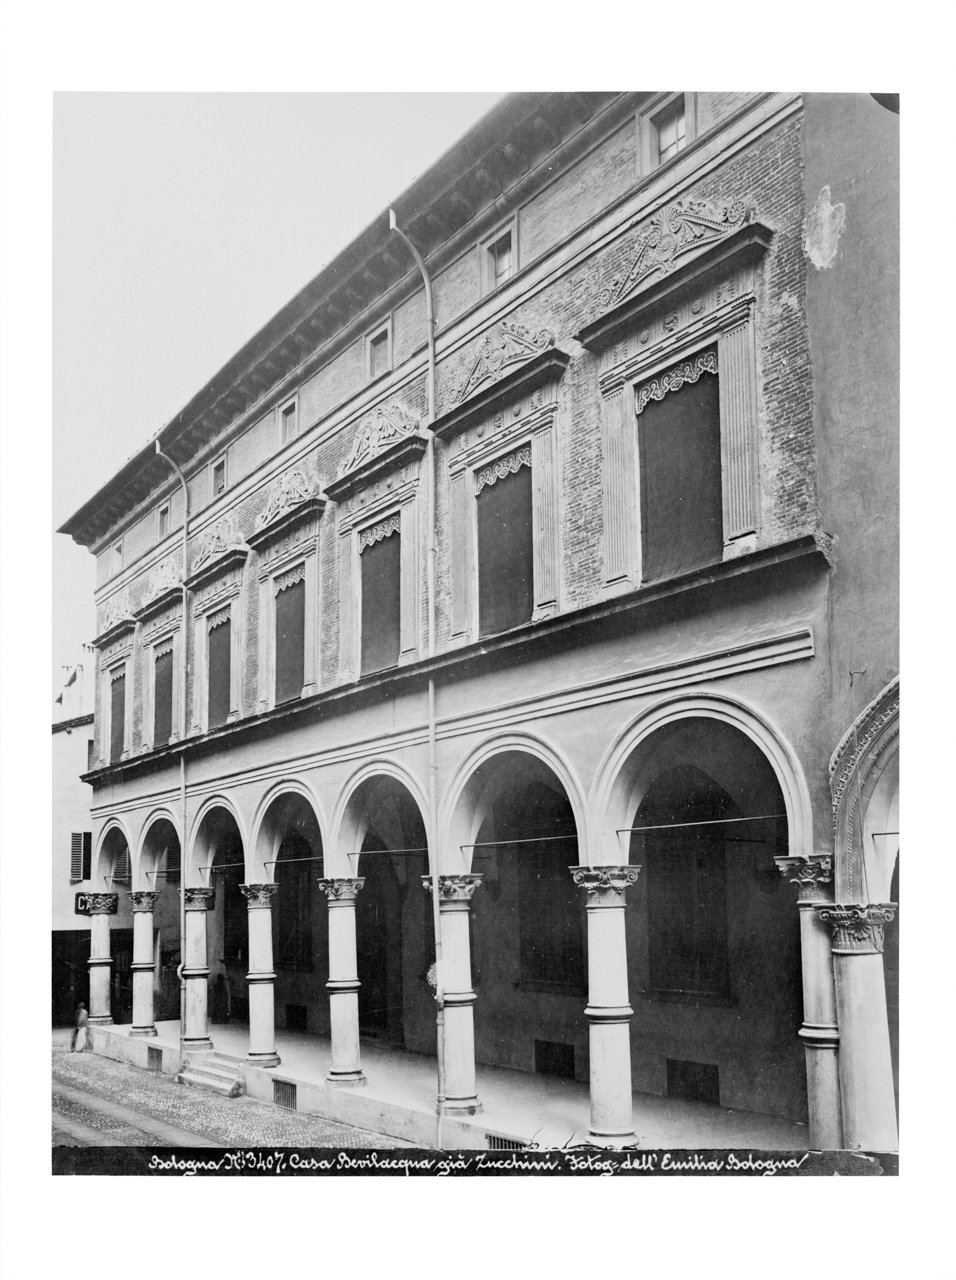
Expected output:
{"points": [[430, 579], [183, 666]]}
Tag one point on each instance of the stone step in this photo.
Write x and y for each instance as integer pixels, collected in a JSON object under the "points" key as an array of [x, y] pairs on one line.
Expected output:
{"points": [[210, 1070], [215, 1071], [226, 1088]]}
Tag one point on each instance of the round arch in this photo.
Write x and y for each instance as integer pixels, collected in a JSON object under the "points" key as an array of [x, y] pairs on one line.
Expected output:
{"points": [[198, 844], [261, 842], [469, 796], [106, 851], [349, 826], [145, 859], [616, 792]]}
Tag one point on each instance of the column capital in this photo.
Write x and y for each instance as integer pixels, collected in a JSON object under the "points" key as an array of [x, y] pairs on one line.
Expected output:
{"points": [[143, 900], [604, 886], [453, 889], [259, 895], [813, 876], [200, 898], [342, 890], [103, 904], [857, 928]]}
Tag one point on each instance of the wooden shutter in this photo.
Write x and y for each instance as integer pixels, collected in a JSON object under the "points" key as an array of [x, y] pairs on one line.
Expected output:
{"points": [[76, 855], [219, 658], [290, 640], [505, 552], [173, 863], [87, 854], [681, 504], [121, 866], [381, 603], [163, 697], [117, 716]]}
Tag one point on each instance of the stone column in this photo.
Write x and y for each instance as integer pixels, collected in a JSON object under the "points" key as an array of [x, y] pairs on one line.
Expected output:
{"points": [[454, 906], [343, 984], [261, 977], [198, 900], [608, 1010], [866, 1070], [144, 965], [102, 906], [814, 880]]}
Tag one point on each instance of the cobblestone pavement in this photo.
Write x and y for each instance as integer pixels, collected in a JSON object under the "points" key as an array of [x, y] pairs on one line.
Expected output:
{"points": [[117, 1094]]}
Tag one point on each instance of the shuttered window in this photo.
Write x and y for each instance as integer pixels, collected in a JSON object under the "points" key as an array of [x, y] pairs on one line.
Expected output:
{"points": [[117, 715], [81, 855], [173, 863], [381, 602], [681, 505], [163, 696], [121, 868], [290, 636], [219, 658], [505, 546]]}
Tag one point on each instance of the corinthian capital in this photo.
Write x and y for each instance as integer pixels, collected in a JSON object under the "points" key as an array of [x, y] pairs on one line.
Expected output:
{"points": [[343, 889], [143, 899], [812, 876], [103, 904], [200, 898], [258, 895], [453, 888], [857, 929], [604, 886]]}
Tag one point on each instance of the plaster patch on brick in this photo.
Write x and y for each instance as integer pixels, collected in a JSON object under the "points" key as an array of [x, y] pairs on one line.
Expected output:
{"points": [[822, 229]]}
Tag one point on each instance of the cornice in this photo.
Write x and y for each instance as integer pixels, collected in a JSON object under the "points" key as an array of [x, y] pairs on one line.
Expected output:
{"points": [[156, 604], [547, 366], [290, 519], [230, 559], [391, 459], [121, 627]]}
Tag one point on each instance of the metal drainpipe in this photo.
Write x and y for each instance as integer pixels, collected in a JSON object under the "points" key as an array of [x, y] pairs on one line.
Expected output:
{"points": [[183, 666], [432, 754]]}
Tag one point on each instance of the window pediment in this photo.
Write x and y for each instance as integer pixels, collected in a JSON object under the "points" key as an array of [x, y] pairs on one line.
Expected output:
{"points": [[388, 438], [292, 501], [222, 549], [165, 589], [117, 622]]}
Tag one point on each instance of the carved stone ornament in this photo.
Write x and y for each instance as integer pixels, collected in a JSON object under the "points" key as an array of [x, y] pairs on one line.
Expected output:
{"points": [[289, 578], [502, 467], [505, 346], [166, 578], [453, 888], [812, 876], [386, 425], [220, 617], [200, 898], [221, 538], [857, 930], [259, 895], [343, 889], [384, 529], [143, 899], [117, 611], [674, 232], [103, 904], [288, 492], [604, 886], [687, 371]]}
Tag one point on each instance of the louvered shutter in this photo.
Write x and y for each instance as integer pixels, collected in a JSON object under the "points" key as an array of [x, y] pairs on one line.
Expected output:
{"points": [[76, 855]]}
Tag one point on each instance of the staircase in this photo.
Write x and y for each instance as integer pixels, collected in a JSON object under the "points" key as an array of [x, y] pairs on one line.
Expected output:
{"points": [[218, 1072]]}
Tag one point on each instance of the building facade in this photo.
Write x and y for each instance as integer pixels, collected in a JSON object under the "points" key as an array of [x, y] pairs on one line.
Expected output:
{"points": [[484, 640]]}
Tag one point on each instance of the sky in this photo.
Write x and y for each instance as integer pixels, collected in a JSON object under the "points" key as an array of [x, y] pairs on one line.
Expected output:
{"points": [[181, 223]]}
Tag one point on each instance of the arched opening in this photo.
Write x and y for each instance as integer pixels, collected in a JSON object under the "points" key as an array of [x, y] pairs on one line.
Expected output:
{"points": [[713, 938], [114, 875], [394, 935], [881, 882], [289, 848], [528, 923], [222, 860], [160, 870]]}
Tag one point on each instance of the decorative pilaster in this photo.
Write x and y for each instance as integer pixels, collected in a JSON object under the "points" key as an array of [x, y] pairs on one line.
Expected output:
{"points": [[261, 977], [198, 901], [738, 436], [618, 489], [455, 893], [143, 902], [814, 880], [545, 522], [102, 906], [866, 1068], [461, 556], [608, 1009], [343, 985]]}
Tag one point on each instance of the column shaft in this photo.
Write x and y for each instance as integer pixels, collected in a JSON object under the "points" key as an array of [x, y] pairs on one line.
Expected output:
{"points": [[199, 901], [454, 906], [261, 977], [102, 906], [143, 903], [345, 1067]]}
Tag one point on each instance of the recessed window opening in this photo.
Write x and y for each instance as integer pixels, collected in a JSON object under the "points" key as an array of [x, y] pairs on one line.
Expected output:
{"points": [[164, 521], [117, 557], [163, 694], [381, 560], [290, 634], [219, 666], [671, 131], [288, 421], [502, 261], [218, 477], [378, 354], [505, 543], [117, 713]]}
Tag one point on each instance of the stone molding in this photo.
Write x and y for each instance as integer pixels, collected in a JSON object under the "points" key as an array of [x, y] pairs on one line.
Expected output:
{"points": [[288, 492], [813, 876], [222, 538], [509, 465], [341, 890], [103, 904], [200, 898], [857, 929], [383, 529], [259, 896], [454, 888], [117, 621], [508, 344], [687, 371], [143, 900], [604, 886], [385, 426], [288, 579]]}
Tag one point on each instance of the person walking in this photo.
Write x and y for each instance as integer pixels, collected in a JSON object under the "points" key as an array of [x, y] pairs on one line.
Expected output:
{"points": [[81, 1035]]}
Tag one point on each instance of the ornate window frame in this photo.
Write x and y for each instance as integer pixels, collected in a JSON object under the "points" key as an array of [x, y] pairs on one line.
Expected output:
{"points": [[160, 619], [215, 582], [115, 645]]}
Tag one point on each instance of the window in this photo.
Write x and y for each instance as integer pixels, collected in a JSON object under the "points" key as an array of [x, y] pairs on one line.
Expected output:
{"points": [[90, 754], [680, 474], [162, 694], [501, 261], [219, 667], [379, 353], [505, 543], [117, 713], [381, 561], [163, 521], [290, 634], [81, 855], [292, 910], [498, 258], [173, 863], [218, 477], [671, 127], [287, 422]]}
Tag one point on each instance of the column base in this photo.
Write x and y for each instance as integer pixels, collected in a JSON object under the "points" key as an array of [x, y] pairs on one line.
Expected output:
{"points": [[202, 1045], [346, 1079], [263, 1059], [613, 1141], [461, 1106], [143, 1032], [100, 1020]]}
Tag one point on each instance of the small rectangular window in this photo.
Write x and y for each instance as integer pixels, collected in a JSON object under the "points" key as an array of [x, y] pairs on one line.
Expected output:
{"points": [[501, 260], [505, 551], [219, 662], [381, 602], [288, 422], [671, 126], [117, 715], [218, 477], [290, 640], [90, 755], [163, 521], [378, 355], [163, 697]]}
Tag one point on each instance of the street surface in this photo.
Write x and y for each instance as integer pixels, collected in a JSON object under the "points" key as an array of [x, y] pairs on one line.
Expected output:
{"points": [[98, 1102]]}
